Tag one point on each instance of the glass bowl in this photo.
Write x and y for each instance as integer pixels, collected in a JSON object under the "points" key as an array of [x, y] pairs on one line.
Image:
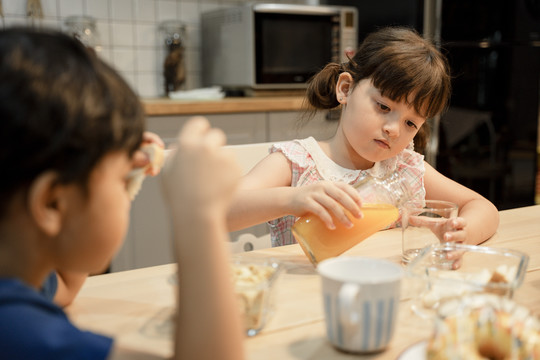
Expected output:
{"points": [[483, 270], [254, 281], [492, 326]]}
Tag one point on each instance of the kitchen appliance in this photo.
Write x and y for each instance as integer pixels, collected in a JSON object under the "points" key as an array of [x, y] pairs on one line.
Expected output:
{"points": [[274, 46], [375, 14]]}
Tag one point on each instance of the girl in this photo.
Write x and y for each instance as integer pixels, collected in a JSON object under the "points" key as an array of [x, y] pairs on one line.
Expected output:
{"points": [[387, 91]]}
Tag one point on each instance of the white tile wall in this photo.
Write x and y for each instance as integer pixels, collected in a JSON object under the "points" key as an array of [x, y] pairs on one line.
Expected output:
{"points": [[129, 34]]}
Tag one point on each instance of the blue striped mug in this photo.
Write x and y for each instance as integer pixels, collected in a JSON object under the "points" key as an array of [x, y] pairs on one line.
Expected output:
{"points": [[361, 302]]}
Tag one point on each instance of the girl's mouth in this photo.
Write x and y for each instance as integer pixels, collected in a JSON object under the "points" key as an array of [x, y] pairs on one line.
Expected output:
{"points": [[383, 144]]}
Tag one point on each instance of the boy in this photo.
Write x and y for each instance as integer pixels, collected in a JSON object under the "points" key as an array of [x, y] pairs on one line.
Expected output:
{"points": [[71, 126]]}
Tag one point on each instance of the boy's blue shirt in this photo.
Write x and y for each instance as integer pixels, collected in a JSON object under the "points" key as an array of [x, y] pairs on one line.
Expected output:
{"points": [[32, 327], [49, 286]]}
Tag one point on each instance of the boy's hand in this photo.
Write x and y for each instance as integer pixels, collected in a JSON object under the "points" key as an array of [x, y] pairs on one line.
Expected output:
{"points": [[140, 158], [327, 199], [200, 174]]}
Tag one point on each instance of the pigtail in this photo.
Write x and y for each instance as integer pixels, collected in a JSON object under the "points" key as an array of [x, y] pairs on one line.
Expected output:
{"points": [[321, 90]]}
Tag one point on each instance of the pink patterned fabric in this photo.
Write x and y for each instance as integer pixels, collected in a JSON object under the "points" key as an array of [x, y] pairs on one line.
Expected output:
{"points": [[310, 164]]}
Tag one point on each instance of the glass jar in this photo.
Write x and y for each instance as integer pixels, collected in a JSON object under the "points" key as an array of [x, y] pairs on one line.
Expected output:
{"points": [[381, 198], [84, 29], [174, 70]]}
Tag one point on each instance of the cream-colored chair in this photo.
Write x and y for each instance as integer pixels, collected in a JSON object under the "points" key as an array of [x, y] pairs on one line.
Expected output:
{"points": [[250, 154], [148, 242], [248, 242], [255, 237]]}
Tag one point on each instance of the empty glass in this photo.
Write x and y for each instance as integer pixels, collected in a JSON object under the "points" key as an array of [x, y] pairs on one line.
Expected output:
{"points": [[424, 224]]}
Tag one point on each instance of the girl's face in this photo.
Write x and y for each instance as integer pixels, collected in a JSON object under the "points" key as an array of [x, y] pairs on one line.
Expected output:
{"points": [[374, 127], [96, 224]]}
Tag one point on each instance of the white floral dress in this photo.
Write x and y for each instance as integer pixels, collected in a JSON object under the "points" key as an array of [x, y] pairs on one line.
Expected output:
{"points": [[310, 164]]}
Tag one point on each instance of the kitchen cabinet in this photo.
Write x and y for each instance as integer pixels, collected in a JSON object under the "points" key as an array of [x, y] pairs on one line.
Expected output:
{"points": [[248, 128], [148, 241], [240, 128], [292, 125]]}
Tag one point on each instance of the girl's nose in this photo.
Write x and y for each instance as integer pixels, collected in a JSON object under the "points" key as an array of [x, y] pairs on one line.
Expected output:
{"points": [[391, 128]]}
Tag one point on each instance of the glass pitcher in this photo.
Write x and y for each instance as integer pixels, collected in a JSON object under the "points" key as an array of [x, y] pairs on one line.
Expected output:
{"points": [[174, 70], [380, 197], [84, 29]]}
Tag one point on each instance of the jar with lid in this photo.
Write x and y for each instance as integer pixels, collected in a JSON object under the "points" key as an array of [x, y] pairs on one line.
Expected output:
{"points": [[84, 29], [174, 71], [381, 198]]}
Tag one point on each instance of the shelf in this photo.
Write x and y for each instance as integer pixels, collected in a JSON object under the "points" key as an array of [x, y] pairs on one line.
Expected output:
{"points": [[164, 106]]}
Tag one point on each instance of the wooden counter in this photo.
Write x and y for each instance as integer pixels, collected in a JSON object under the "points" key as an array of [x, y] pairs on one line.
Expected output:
{"points": [[165, 106], [136, 306]]}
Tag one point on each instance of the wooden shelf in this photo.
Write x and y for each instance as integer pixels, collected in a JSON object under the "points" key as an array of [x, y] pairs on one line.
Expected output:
{"points": [[164, 106]]}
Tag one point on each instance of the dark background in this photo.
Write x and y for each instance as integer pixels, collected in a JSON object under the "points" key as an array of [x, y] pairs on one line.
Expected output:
{"points": [[488, 138]]}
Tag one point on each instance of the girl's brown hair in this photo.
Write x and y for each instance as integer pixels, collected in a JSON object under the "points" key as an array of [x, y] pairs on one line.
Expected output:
{"points": [[403, 67]]}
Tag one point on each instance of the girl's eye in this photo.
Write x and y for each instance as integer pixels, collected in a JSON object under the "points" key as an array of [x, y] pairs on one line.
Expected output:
{"points": [[411, 124], [383, 107]]}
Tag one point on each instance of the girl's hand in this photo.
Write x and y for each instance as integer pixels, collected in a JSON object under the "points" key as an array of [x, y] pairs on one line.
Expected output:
{"points": [[140, 158], [451, 230], [328, 200], [455, 232]]}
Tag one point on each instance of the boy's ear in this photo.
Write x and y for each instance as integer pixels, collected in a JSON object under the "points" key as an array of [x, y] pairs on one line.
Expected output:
{"points": [[45, 202], [343, 87]]}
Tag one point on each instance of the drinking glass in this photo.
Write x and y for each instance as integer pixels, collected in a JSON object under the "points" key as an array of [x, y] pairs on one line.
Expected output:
{"points": [[424, 224], [84, 29]]}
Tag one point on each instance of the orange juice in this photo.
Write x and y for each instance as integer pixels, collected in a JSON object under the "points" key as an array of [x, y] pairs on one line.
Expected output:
{"points": [[319, 242]]}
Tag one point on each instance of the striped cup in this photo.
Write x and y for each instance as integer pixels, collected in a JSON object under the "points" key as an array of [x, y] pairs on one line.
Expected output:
{"points": [[361, 301]]}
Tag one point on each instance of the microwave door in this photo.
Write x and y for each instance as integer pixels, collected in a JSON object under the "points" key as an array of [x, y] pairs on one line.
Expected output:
{"points": [[290, 48]]}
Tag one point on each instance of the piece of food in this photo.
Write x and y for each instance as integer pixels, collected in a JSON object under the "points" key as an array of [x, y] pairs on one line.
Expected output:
{"points": [[253, 288], [488, 327], [453, 283], [136, 177]]}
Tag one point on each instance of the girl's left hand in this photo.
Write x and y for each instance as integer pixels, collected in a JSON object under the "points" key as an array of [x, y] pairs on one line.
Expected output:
{"points": [[454, 231], [451, 230], [140, 158]]}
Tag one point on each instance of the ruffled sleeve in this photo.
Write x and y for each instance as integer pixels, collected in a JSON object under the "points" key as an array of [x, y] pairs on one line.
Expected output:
{"points": [[296, 153]]}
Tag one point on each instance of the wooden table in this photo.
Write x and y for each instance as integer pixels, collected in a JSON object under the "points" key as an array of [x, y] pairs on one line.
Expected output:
{"points": [[135, 306]]}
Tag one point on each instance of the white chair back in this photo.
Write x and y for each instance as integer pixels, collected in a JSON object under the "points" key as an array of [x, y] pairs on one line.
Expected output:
{"points": [[255, 237], [250, 154]]}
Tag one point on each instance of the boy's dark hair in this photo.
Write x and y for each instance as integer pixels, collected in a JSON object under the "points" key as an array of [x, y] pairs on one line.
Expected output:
{"points": [[61, 109]]}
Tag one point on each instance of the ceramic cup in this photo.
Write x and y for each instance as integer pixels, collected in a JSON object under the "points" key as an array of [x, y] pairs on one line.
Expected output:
{"points": [[361, 301], [424, 224]]}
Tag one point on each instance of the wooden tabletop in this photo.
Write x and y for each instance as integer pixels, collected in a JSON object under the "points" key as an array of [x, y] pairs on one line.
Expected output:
{"points": [[135, 306]]}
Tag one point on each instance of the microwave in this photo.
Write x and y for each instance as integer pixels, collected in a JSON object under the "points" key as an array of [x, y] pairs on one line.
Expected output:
{"points": [[274, 46]]}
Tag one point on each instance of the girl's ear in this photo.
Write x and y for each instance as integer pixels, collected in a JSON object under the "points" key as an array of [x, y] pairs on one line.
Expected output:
{"points": [[343, 87], [45, 203]]}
